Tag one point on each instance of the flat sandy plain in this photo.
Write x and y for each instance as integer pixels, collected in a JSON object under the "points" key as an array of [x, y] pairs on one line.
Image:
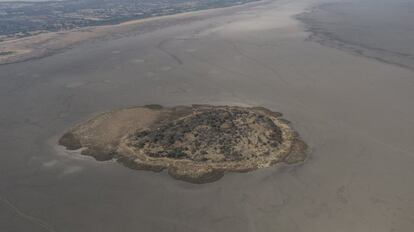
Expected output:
{"points": [[356, 114]]}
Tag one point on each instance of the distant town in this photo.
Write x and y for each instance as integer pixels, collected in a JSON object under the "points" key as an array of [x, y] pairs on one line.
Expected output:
{"points": [[21, 19]]}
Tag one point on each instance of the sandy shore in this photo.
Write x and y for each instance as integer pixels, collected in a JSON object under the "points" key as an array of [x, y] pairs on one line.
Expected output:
{"points": [[355, 114]]}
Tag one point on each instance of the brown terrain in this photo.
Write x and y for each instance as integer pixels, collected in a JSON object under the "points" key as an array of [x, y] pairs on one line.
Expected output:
{"points": [[196, 143]]}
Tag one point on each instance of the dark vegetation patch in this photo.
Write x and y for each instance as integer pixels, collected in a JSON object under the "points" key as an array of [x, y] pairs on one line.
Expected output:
{"points": [[220, 130]]}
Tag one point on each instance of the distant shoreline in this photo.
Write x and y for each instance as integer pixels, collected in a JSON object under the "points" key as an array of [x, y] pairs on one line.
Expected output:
{"points": [[99, 21], [49, 43]]}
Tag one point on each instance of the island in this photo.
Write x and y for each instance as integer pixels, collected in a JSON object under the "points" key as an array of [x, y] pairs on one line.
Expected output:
{"points": [[197, 143]]}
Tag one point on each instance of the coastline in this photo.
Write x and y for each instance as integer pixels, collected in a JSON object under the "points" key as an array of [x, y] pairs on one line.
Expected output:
{"points": [[49, 43]]}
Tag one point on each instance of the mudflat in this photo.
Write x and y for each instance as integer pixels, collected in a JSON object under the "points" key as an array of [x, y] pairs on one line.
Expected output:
{"points": [[381, 30], [354, 113]]}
